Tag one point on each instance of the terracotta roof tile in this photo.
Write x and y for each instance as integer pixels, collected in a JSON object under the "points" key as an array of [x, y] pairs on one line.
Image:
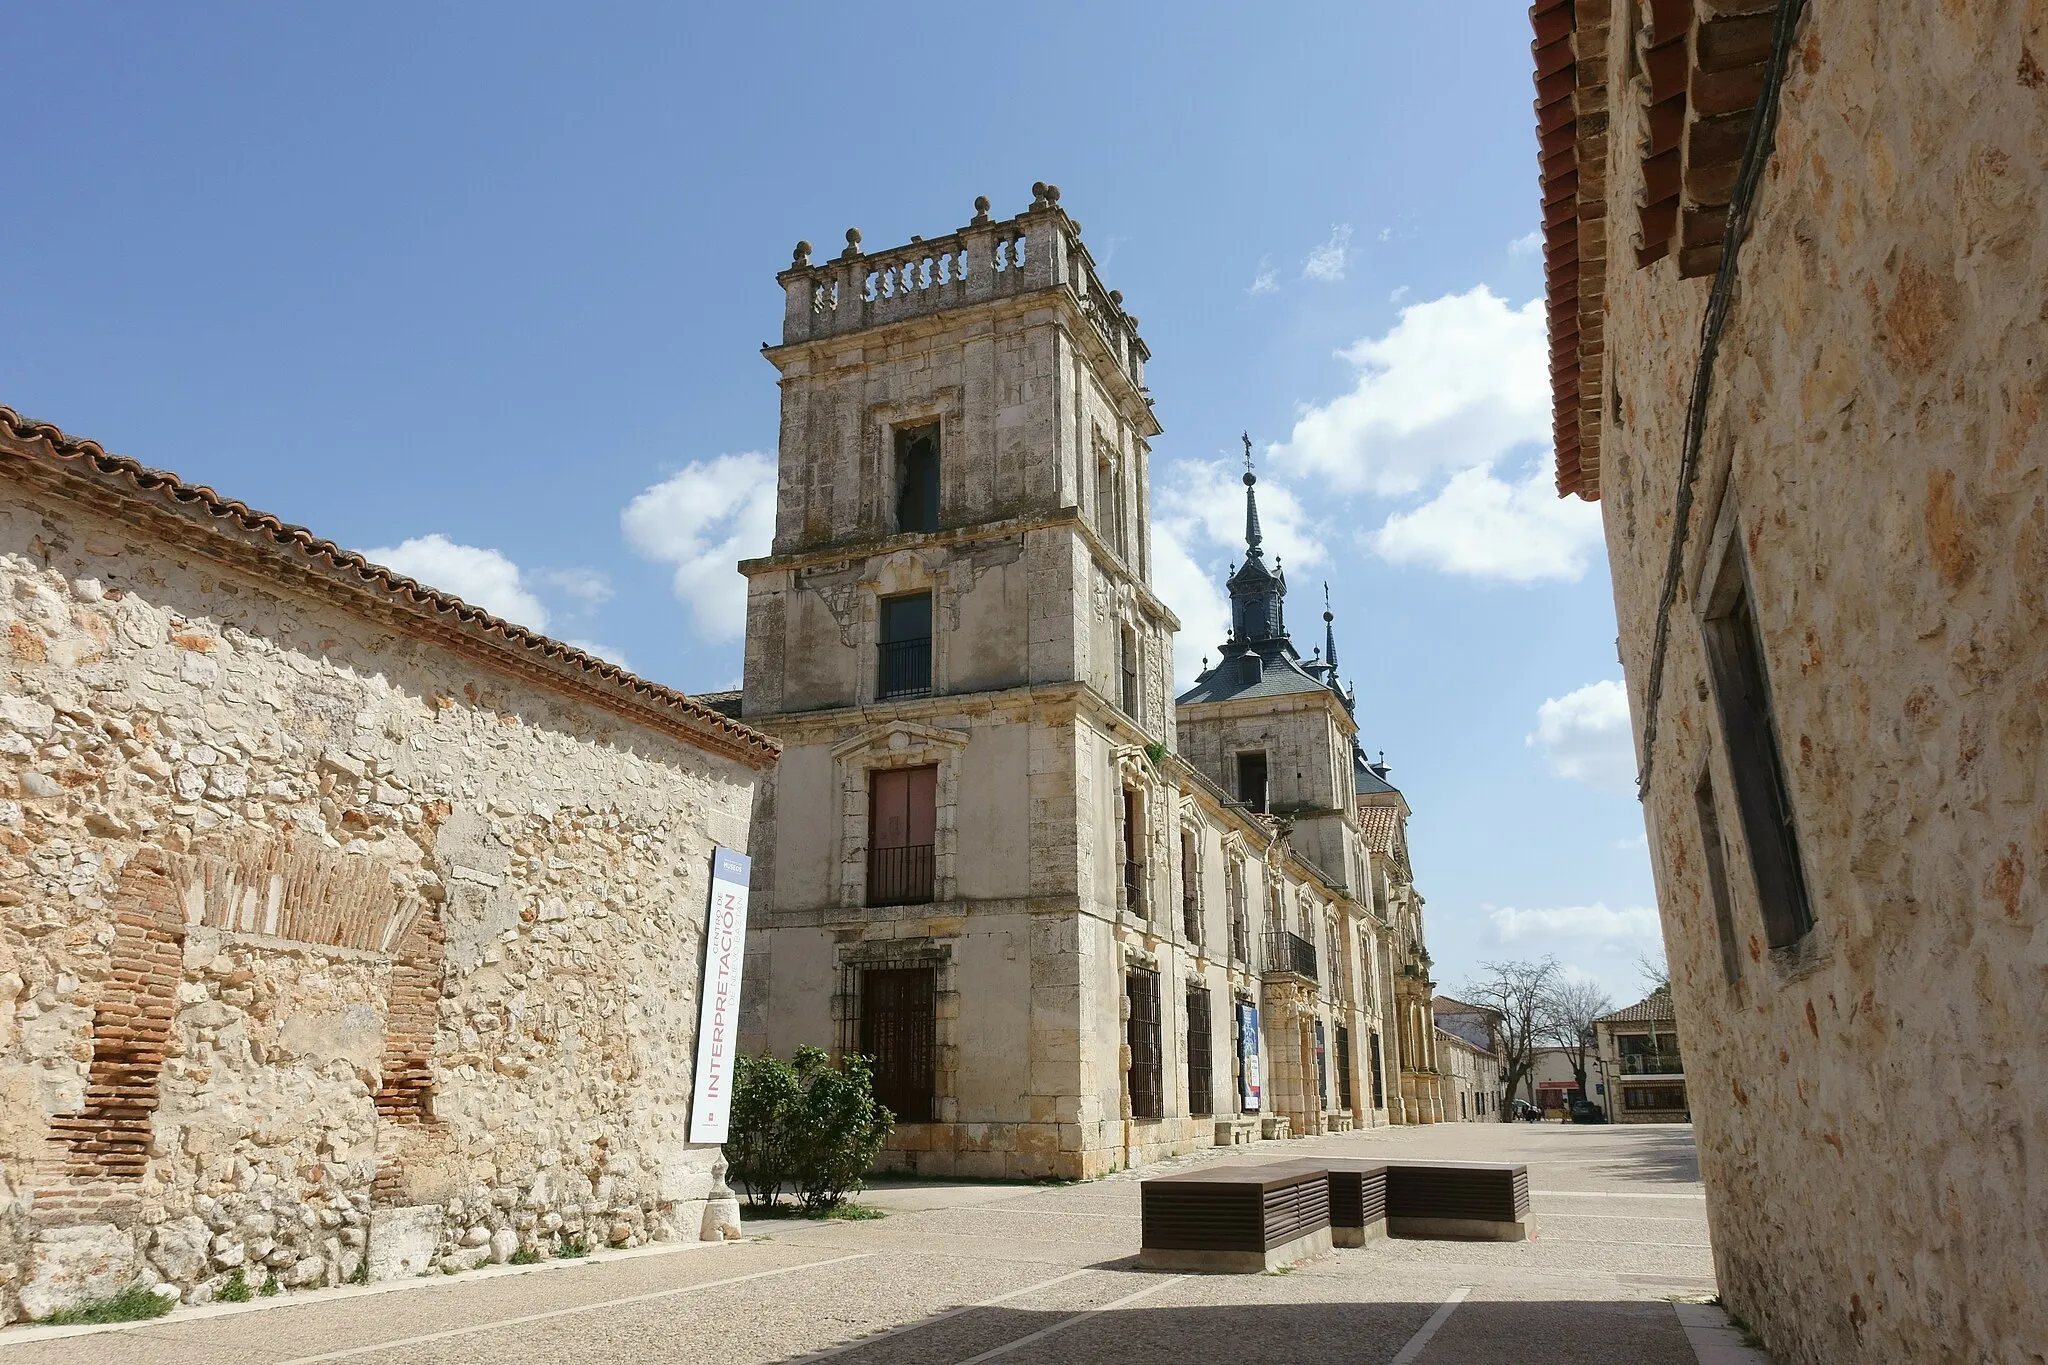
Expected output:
{"points": [[1650, 1009], [527, 652]]}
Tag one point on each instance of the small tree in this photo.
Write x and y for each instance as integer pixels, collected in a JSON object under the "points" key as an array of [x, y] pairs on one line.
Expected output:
{"points": [[836, 1129], [765, 1092], [807, 1124], [1520, 993], [1575, 1002]]}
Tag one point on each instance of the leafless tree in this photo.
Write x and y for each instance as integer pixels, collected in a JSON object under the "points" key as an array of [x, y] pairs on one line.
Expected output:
{"points": [[1520, 993], [1656, 973], [1575, 1002]]}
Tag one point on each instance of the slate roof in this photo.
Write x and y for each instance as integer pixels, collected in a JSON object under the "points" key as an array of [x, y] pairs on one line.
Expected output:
{"points": [[1283, 675], [108, 479], [1366, 782], [1652, 1009]]}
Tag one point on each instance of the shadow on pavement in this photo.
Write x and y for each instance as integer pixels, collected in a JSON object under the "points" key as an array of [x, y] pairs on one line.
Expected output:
{"points": [[1477, 1332]]}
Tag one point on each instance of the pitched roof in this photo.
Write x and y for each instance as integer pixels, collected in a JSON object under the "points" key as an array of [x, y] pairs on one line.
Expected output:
{"points": [[1280, 675], [82, 467], [1651, 1009], [1380, 828]]}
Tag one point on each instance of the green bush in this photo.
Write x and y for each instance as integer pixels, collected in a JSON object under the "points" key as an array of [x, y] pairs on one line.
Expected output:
{"points": [[573, 1249], [806, 1124], [132, 1304], [525, 1256], [269, 1289], [235, 1290]]}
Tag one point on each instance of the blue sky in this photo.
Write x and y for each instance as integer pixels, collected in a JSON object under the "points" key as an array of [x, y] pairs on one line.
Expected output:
{"points": [[483, 287]]}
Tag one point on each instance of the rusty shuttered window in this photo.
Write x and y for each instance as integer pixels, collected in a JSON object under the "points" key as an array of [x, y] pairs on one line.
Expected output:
{"points": [[1141, 986]]}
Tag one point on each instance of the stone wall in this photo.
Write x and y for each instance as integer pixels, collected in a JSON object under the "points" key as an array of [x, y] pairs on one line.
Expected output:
{"points": [[323, 937], [1871, 1102]]}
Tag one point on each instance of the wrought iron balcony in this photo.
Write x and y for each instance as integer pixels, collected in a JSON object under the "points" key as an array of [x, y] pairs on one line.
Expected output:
{"points": [[1652, 1064], [1290, 955], [900, 876], [906, 668]]}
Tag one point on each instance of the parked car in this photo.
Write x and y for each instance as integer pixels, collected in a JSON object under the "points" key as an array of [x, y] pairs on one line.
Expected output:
{"points": [[1585, 1111], [1526, 1112]]}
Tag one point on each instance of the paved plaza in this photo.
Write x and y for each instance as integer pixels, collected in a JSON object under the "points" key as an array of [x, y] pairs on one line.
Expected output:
{"points": [[964, 1273]]}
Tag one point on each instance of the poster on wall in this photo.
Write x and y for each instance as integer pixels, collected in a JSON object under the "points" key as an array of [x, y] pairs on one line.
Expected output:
{"points": [[1248, 1054], [718, 1015]]}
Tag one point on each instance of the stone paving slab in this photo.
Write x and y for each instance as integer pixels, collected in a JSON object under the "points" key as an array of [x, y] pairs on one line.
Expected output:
{"points": [[1029, 1273]]}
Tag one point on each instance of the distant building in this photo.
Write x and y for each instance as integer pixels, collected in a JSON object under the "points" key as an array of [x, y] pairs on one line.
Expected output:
{"points": [[1468, 1058], [1641, 1064]]}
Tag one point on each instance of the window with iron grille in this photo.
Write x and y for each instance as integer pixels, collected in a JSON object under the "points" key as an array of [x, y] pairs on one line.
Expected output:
{"points": [[1190, 888], [898, 1035], [1322, 1070], [1142, 988], [1379, 1084], [905, 652], [1201, 1055], [902, 831], [1343, 1067]]}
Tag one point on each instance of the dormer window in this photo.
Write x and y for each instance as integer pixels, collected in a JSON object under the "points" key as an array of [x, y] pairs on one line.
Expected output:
{"points": [[917, 478]]}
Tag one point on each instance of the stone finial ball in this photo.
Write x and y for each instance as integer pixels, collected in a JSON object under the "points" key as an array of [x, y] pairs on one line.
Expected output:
{"points": [[802, 253], [1052, 192], [1038, 189], [1116, 296], [853, 236], [981, 203]]}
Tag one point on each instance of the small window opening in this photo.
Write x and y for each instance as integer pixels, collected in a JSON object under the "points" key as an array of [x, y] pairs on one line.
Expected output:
{"points": [[917, 478], [1134, 845], [1127, 650], [1251, 781], [1763, 802], [1190, 888]]}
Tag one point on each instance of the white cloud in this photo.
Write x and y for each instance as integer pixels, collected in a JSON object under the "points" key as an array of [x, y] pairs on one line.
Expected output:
{"points": [[1455, 384], [480, 577], [1585, 736], [704, 519], [1530, 245], [588, 587], [1595, 922], [1483, 527], [1398, 294], [1266, 281], [1194, 592], [1326, 262]]}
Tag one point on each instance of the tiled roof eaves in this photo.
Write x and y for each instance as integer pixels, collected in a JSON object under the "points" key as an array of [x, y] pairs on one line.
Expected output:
{"points": [[74, 462], [1656, 1009], [1569, 47]]}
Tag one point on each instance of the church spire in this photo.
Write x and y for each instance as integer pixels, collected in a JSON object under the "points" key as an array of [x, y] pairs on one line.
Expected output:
{"points": [[1252, 536], [1329, 634]]}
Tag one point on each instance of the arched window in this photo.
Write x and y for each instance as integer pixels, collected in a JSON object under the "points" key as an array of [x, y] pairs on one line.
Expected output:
{"points": [[917, 478]]}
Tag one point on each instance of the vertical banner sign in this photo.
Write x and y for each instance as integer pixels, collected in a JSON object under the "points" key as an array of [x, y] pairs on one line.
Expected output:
{"points": [[1248, 1050], [718, 1018]]}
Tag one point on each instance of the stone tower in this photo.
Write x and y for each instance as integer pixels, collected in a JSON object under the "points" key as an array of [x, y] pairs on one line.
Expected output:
{"points": [[956, 640]]}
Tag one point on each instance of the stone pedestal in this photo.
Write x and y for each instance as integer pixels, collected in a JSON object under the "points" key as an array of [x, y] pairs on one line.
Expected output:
{"points": [[721, 1208]]}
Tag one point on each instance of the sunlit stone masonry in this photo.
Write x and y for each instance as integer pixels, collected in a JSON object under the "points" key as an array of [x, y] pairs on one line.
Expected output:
{"points": [[345, 930]]}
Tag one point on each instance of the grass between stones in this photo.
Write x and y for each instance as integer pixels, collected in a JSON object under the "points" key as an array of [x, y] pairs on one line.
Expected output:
{"points": [[132, 1304], [849, 1212]]}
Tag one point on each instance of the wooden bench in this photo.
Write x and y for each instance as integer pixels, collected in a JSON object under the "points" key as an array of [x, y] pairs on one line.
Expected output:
{"points": [[1468, 1200], [1235, 1218]]}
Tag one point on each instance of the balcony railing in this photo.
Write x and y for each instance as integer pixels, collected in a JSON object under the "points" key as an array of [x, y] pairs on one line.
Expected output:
{"points": [[1290, 954], [900, 876], [1652, 1064], [906, 668], [1134, 888]]}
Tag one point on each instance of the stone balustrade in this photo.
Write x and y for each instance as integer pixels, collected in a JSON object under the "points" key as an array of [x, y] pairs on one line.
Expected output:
{"points": [[988, 259]]}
